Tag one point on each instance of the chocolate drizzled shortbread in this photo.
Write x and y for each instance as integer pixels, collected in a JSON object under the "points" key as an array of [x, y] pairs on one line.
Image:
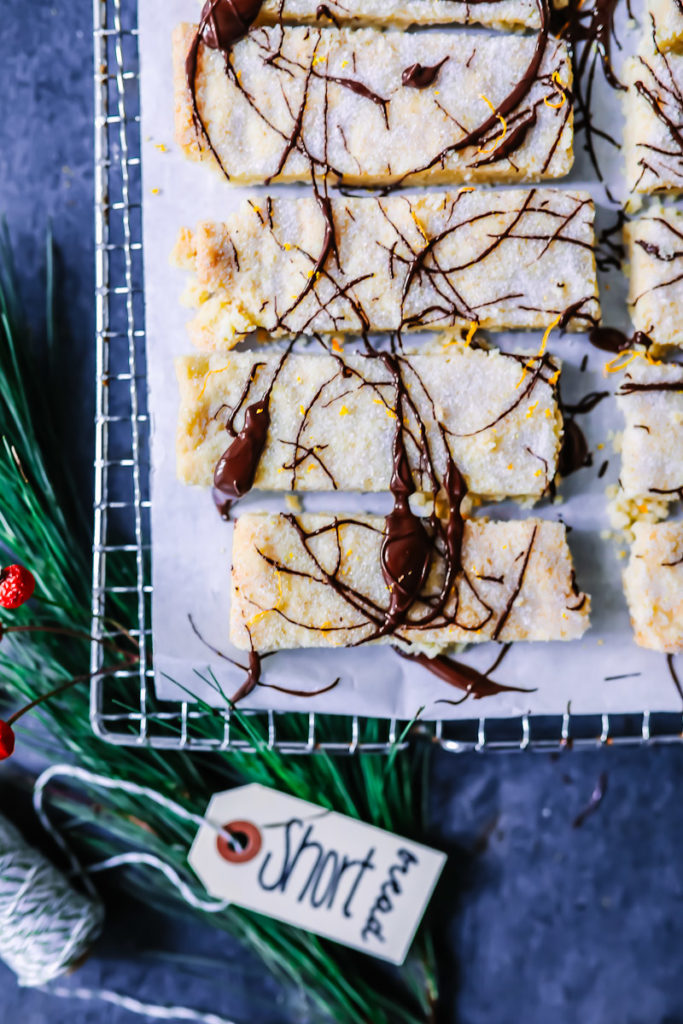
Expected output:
{"points": [[332, 419], [653, 583], [316, 581], [498, 259], [286, 102], [655, 253]]}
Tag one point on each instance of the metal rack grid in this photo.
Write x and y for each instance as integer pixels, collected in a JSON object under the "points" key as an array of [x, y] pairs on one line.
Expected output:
{"points": [[124, 709]]}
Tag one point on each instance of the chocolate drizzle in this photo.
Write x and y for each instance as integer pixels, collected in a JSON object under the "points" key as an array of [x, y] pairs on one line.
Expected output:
{"points": [[509, 106], [475, 684], [589, 29], [610, 339], [236, 470], [420, 558], [574, 453], [406, 549], [419, 76], [674, 674], [632, 387], [655, 252], [227, 21], [323, 11]]}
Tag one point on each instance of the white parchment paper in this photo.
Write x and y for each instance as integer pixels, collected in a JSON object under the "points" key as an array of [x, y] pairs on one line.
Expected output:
{"points": [[603, 672]]}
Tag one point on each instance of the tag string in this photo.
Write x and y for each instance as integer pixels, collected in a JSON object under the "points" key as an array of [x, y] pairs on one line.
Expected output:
{"points": [[83, 872]]}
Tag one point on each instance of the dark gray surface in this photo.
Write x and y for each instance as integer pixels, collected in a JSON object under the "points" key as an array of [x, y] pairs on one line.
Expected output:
{"points": [[541, 922]]}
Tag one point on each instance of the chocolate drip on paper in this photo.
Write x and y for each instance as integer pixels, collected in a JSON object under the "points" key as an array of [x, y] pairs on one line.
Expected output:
{"points": [[610, 250], [589, 29], [609, 339], [474, 683], [587, 403], [252, 678], [253, 670], [674, 674], [574, 453], [603, 337]]}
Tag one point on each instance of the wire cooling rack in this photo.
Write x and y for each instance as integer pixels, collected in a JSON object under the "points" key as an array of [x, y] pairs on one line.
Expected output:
{"points": [[124, 709]]}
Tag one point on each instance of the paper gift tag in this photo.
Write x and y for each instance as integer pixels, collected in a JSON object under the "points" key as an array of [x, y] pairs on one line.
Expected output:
{"points": [[318, 870]]}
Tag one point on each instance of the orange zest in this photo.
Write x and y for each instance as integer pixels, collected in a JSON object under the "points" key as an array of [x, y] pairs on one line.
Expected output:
{"points": [[621, 361], [541, 351], [497, 141], [210, 374], [561, 88]]}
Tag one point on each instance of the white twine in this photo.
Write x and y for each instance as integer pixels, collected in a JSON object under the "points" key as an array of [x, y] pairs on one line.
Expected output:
{"points": [[47, 926], [152, 1010], [149, 859]]}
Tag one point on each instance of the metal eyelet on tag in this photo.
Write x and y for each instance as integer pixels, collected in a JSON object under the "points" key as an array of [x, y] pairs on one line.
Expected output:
{"points": [[251, 849]]}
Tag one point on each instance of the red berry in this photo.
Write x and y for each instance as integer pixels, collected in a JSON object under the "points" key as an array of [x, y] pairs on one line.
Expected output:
{"points": [[6, 741], [16, 586]]}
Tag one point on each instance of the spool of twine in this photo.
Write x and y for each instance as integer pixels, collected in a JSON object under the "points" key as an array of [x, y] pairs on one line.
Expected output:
{"points": [[46, 925]]}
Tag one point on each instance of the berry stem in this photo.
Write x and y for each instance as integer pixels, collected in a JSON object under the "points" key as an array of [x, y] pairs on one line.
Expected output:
{"points": [[130, 658], [45, 696]]}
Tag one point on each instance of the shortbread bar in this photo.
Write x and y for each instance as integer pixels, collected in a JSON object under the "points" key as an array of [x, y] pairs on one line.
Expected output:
{"points": [[653, 583], [655, 253], [333, 420], [651, 398], [316, 581], [403, 13], [289, 102], [653, 133], [667, 18], [499, 259]]}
